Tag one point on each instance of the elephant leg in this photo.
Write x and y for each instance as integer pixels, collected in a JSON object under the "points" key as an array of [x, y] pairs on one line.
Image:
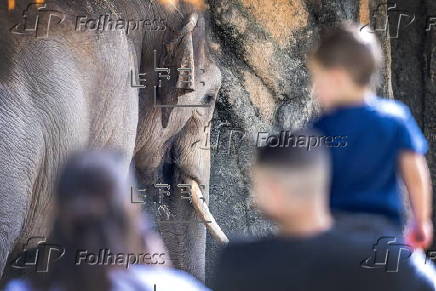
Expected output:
{"points": [[20, 155]]}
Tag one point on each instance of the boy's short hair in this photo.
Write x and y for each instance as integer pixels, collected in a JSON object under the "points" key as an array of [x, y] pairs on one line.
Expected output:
{"points": [[296, 157], [304, 171], [352, 48]]}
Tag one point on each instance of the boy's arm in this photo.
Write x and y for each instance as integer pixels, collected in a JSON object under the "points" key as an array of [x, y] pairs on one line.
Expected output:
{"points": [[416, 176]]}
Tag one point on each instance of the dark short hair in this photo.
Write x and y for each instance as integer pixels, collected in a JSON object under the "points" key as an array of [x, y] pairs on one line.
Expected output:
{"points": [[350, 47], [292, 156]]}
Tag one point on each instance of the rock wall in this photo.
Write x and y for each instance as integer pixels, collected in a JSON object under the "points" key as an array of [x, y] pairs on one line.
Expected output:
{"points": [[413, 42], [261, 48]]}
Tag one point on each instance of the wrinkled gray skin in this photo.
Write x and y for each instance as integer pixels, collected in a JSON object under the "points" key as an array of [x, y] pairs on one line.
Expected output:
{"points": [[72, 90]]}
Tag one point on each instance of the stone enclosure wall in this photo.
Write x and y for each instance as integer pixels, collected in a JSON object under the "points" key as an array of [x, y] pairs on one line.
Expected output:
{"points": [[261, 48]]}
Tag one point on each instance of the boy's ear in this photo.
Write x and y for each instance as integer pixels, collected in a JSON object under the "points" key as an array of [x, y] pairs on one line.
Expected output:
{"points": [[339, 77], [275, 187]]}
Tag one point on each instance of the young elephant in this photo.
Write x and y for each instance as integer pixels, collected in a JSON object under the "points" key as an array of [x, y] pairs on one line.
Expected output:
{"points": [[68, 81]]}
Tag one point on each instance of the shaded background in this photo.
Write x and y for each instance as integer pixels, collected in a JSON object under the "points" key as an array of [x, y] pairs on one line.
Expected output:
{"points": [[260, 46]]}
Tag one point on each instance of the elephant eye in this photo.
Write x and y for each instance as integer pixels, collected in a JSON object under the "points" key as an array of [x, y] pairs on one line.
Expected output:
{"points": [[208, 98]]}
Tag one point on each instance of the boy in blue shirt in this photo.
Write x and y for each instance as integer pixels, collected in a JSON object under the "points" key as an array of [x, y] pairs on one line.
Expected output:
{"points": [[385, 147]]}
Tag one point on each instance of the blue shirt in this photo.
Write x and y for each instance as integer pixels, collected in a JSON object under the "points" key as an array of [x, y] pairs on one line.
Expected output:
{"points": [[365, 176]]}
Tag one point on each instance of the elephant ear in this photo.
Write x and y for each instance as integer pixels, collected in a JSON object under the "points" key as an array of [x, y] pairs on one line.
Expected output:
{"points": [[179, 57]]}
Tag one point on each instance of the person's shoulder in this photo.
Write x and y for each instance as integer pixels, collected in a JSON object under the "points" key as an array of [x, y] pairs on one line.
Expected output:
{"points": [[388, 109], [235, 249], [342, 247], [18, 285], [239, 253], [318, 121], [165, 278], [247, 245]]}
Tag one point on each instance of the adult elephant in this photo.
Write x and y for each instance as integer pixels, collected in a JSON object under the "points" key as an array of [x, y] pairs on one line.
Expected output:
{"points": [[68, 81]]}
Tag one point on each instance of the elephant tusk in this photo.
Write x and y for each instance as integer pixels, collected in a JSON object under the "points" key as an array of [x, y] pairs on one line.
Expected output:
{"points": [[204, 213]]}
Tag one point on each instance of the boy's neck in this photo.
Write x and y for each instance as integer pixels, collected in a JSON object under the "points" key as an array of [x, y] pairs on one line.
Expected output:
{"points": [[353, 98]]}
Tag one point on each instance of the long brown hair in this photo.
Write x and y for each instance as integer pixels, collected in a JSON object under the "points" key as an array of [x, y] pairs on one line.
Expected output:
{"points": [[93, 212]]}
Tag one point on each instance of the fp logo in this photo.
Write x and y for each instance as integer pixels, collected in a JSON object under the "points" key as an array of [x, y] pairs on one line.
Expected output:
{"points": [[38, 258], [385, 23], [37, 20], [387, 254]]}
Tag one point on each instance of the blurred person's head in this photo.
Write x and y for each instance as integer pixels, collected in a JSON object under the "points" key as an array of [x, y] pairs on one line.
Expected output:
{"points": [[291, 186], [344, 64], [93, 212]]}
